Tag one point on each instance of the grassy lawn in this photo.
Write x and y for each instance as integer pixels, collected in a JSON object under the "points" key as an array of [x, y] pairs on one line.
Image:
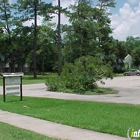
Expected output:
{"points": [[97, 91], [118, 74], [103, 117], [28, 79], [9, 132], [101, 91]]}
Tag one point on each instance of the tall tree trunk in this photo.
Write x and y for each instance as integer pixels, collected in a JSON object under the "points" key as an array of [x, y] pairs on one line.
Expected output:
{"points": [[43, 61], [11, 63], [35, 39], [59, 40], [11, 55]]}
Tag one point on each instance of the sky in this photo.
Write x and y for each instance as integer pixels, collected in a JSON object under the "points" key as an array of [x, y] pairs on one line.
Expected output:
{"points": [[125, 18]]}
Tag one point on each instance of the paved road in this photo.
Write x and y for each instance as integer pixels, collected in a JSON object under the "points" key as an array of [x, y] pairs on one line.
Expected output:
{"points": [[128, 87]]}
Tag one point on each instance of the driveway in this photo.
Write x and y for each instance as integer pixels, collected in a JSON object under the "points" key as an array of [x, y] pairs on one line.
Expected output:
{"points": [[128, 87]]}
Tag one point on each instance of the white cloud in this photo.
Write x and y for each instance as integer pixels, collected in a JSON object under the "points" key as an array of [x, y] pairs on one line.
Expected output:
{"points": [[30, 22], [125, 11], [126, 22], [10, 1], [64, 4], [133, 1], [64, 19]]}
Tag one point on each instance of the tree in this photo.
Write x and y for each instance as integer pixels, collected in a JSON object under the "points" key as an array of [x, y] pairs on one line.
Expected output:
{"points": [[6, 25], [30, 10], [59, 39], [104, 4], [2, 49], [104, 30], [81, 75], [136, 56], [23, 38], [47, 51], [120, 51], [89, 32], [80, 35], [132, 43], [133, 46]]}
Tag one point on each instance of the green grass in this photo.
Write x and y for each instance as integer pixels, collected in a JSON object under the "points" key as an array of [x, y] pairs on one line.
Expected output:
{"points": [[103, 117], [9, 132], [0, 80], [96, 91], [118, 75], [100, 91], [29, 79]]}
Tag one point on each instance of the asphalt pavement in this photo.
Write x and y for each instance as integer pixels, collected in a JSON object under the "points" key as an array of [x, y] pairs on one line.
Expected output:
{"points": [[128, 91]]}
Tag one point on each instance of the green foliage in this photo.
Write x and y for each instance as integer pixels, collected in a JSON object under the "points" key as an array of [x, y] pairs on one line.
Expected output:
{"points": [[84, 73], [89, 32], [80, 36], [136, 55], [126, 64], [81, 75], [47, 48], [54, 83]]}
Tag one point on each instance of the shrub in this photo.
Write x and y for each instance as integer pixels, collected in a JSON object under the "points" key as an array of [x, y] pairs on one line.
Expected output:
{"points": [[84, 73], [54, 83], [80, 76]]}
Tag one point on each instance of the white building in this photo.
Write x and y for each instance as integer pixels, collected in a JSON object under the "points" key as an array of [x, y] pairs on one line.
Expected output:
{"points": [[128, 61]]}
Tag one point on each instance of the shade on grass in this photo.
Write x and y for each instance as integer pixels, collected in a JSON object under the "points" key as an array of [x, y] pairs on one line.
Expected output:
{"points": [[103, 117]]}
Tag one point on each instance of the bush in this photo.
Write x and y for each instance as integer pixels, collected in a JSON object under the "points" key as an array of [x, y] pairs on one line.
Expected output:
{"points": [[54, 83], [84, 73], [80, 76]]}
